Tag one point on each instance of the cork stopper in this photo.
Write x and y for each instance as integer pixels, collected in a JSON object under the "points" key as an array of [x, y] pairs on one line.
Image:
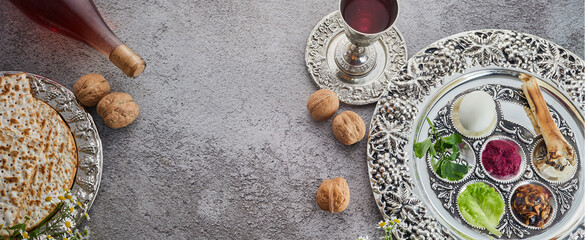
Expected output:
{"points": [[127, 60]]}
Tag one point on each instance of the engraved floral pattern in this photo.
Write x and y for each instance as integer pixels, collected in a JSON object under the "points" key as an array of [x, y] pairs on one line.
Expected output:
{"points": [[483, 48], [565, 194], [446, 193], [510, 228], [423, 73], [553, 62]]}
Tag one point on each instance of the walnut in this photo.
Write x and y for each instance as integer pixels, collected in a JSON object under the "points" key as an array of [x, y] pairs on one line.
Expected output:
{"points": [[333, 195], [349, 128], [117, 109], [90, 89], [323, 104]]}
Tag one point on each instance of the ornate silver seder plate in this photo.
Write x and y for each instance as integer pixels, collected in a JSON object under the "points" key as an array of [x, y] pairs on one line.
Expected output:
{"points": [[488, 60], [87, 139]]}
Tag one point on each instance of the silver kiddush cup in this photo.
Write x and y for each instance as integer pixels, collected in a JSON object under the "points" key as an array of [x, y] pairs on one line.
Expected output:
{"points": [[354, 55], [356, 51]]}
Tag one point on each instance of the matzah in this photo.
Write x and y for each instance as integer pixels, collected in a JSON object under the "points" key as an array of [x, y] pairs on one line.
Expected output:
{"points": [[34, 127]]}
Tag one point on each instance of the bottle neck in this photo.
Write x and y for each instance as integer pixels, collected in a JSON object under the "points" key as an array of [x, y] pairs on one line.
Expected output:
{"points": [[127, 60], [80, 19]]}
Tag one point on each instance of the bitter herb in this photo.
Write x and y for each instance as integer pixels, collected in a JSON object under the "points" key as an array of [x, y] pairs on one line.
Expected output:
{"points": [[446, 150]]}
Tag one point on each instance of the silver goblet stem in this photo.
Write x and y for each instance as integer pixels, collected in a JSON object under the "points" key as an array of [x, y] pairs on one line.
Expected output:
{"points": [[354, 59]]}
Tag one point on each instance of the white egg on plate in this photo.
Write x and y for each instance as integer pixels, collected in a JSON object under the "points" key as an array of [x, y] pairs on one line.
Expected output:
{"points": [[477, 111]]}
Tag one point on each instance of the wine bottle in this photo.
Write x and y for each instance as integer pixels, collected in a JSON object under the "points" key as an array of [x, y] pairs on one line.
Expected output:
{"points": [[80, 20]]}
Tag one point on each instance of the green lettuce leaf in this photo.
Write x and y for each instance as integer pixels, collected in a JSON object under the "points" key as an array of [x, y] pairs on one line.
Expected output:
{"points": [[482, 206]]}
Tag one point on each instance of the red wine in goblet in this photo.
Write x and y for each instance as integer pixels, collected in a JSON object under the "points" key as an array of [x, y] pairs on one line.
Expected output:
{"points": [[369, 16]]}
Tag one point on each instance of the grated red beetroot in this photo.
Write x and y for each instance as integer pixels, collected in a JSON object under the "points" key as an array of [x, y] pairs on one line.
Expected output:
{"points": [[500, 158]]}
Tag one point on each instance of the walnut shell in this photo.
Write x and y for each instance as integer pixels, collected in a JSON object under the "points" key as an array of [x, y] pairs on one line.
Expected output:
{"points": [[348, 127], [117, 109], [323, 104], [90, 89], [333, 195]]}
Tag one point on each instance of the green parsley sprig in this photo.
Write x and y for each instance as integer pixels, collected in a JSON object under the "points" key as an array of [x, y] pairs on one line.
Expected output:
{"points": [[446, 150]]}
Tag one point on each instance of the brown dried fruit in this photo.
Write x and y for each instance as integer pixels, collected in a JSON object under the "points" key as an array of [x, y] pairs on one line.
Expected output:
{"points": [[531, 203], [90, 89], [323, 104], [349, 128], [117, 109], [333, 195]]}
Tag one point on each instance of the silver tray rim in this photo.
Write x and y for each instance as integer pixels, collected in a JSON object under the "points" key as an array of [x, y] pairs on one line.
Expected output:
{"points": [[84, 131], [427, 71]]}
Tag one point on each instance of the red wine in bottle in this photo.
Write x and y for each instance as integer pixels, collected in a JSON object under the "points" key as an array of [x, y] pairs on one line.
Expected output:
{"points": [[369, 16], [80, 20]]}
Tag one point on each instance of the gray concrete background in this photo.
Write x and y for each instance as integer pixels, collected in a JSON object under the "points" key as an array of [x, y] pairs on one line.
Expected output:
{"points": [[224, 147]]}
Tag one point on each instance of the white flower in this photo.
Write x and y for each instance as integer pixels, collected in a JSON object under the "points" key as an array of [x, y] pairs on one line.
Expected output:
{"points": [[67, 223], [364, 238], [86, 232], [44, 237], [70, 197], [77, 234], [24, 234], [51, 200], [382, 224]]}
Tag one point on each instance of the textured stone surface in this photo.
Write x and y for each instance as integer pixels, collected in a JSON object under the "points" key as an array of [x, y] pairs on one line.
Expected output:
{"points": [[224, 147]]}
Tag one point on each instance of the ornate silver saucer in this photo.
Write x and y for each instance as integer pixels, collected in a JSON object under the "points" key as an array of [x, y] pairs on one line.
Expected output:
{"points": [[85, 133], [320, 56], [436, 75]]}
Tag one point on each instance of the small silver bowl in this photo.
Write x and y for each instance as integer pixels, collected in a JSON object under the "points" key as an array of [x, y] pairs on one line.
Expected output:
{"points": [[521, 168], [547, 172], [553, 203], [463, 189], [473, 135], [467, 154]]}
